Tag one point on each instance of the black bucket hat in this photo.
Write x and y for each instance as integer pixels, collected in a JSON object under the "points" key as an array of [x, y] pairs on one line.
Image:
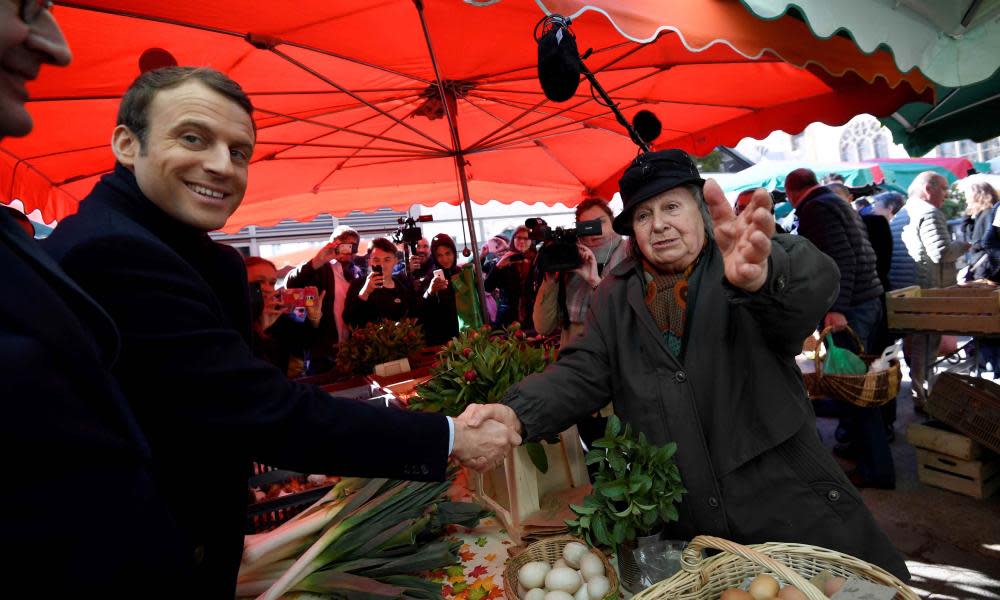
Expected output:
{"points": [[652, 173]]}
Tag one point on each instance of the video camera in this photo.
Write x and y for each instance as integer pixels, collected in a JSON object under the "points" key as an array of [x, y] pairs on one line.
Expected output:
{"points": [[408, 232], [559, 252]]}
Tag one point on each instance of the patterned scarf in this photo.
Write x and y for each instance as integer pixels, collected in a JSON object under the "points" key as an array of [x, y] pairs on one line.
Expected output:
{"points": [[666, 298]]}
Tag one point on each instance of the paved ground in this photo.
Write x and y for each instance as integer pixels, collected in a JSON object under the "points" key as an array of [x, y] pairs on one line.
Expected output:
{"points": [[951, 541]]}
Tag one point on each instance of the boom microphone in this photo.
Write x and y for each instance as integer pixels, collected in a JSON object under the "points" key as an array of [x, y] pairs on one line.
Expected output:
{"points": [[559, 63], [647, 127]]}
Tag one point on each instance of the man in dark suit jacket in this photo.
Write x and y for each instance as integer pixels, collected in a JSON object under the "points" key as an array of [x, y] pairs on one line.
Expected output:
{"points": [[139, 244], [82, 514]]}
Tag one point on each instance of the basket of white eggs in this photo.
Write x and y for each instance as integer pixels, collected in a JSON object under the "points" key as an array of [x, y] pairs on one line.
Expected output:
{"points": [[560, 568]]}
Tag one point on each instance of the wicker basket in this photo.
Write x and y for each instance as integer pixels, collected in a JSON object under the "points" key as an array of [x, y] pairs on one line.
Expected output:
{"points": [[870, 389], [789, 563], [970, 405], [550, 550]]}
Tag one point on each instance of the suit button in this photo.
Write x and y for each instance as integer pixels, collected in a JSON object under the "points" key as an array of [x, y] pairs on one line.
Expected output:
{"points": [[680, 376], [779, 283], [833, 495], [713, 502], [198, 555]]}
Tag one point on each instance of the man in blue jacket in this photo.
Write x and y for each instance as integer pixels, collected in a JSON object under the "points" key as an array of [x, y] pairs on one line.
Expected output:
{"points": [[82, 513], [140, 245]]}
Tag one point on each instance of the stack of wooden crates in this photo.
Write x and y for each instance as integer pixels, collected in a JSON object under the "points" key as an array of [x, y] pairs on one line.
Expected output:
{"points": [[950, 460]]}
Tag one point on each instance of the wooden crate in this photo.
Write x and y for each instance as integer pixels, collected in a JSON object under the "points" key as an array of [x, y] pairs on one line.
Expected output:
{"points": [[977, 478], [515, 489], [938, 437], [956, 309]]}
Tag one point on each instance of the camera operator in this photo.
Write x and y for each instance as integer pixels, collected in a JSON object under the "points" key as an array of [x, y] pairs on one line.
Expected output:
{"points": [[438, 312], [380, 295], [277, 337], [563, 298], [512, 276], [419, 265]]}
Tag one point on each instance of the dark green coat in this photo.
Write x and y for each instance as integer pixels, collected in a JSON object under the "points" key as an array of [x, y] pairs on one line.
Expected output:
{"points": [[748, 451]]}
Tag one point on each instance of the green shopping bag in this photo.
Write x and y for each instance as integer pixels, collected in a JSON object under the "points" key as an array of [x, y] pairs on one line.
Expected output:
{"points": [[467, 298], [840, 361]]}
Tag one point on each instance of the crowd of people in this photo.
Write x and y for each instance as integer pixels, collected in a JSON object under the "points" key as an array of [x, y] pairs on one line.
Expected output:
{"points": [[166, 363]]}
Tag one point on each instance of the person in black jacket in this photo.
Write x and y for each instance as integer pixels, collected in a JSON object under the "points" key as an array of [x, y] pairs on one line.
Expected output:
{"points": [[438, 312], [139, 245], [832, 225], [83, 514], [381, 295], [278, 337]]}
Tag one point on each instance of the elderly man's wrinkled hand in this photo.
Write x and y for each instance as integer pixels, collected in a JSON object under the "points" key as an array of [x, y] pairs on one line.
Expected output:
{"points": [[744, 240]]}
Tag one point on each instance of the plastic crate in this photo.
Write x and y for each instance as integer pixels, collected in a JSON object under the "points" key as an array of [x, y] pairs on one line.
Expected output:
{"points": [[268, 514], [970, 405]]}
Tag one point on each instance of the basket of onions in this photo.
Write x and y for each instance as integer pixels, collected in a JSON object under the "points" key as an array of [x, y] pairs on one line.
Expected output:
{"points": [[560, 568]]}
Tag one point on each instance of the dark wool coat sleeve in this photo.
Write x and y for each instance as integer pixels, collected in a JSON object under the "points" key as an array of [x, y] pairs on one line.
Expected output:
{"points": [[177, 343]]}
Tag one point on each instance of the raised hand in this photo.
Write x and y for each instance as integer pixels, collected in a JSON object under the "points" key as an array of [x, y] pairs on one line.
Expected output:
{"points": [[325, 255], [744, 240], [315, 312], [588, 265], [373, 282]]}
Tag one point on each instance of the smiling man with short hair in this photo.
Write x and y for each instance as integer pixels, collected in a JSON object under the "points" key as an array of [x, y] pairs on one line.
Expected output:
{"points": [[140, 246]]}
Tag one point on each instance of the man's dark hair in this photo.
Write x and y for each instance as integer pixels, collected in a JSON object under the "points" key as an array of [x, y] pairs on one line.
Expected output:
{"points": [[384, 245], [590, 203], [800, 179], [133, 112]]}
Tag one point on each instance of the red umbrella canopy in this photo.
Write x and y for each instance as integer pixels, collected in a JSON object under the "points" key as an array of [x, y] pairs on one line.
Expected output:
{"points": [[349, 109]]}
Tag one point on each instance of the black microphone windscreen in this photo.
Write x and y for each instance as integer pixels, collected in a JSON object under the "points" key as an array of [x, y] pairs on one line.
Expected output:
{"points": [[647, 126], [558, 64]]}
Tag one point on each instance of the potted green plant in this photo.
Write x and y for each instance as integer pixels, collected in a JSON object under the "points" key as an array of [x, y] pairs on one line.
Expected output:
{"points": [[635, 491], [479, 365], [380, 342]]}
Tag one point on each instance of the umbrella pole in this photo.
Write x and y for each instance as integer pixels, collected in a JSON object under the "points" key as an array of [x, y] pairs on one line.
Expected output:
{"points": [[446, 94], [477, 264]]}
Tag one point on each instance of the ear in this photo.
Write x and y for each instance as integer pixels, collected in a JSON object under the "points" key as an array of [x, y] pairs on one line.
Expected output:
{"points": [[125, 145]]}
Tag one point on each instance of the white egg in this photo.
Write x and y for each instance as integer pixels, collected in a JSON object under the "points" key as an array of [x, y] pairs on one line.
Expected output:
{"points": [[532, 574], [591, 566], [581, 594], [559, 563], [534, 594], [598, 587], [572, 553], [558, 595], [563, 579]]}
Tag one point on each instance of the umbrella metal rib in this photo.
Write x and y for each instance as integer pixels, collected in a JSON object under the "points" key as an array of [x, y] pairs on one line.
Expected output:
{"points": [[338, 128], [332, 83], [459, 162], [494, 134]]}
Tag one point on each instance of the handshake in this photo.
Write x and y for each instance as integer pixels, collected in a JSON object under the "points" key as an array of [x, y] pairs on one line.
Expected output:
{"points": [[484, 434]]}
